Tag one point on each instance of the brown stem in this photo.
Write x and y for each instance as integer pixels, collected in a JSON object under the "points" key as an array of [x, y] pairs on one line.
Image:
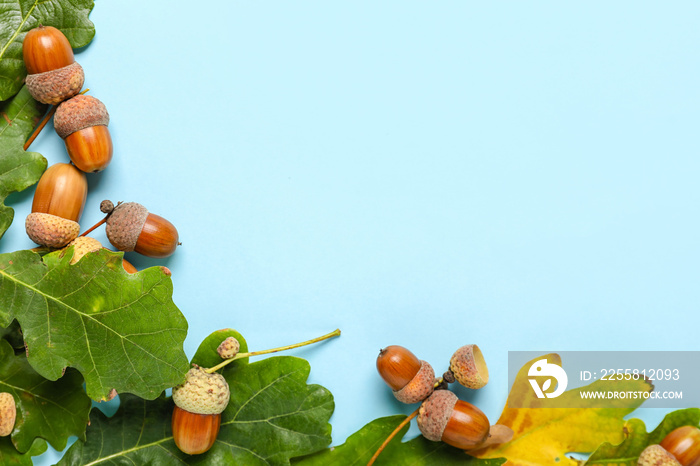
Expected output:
{"points": [[95, 226], [43, 122], [391, 436], [38, 129]]}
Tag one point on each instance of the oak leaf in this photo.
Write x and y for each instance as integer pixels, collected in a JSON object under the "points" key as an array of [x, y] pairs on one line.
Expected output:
{"points": [[121, 331], [10, 456], [18, 169], [543, 436], [360, 446], [637, 439], [273, 415], [49, 410]]}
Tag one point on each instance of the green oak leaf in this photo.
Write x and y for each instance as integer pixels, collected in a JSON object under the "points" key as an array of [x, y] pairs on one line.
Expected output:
{"points": [[18, 169], [50, 410], [637, 439], [360, 446], [9, 456], [273, 416], [19, 16], [121, 331], [13, 335]]}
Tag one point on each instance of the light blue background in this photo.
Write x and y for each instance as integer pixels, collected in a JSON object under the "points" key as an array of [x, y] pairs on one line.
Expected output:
{"points": [[519, 175]]}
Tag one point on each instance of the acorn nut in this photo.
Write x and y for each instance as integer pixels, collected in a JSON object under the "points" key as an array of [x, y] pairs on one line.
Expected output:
{"points": [[199, 402], [410, 379], [681, 447], [82, 124], [469, 367], [444, 417], [130, 227], [58, 202], [53, 74]]}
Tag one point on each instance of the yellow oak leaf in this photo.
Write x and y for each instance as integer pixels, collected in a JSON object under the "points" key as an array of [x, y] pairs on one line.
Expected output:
{"points": [[543, 435]]}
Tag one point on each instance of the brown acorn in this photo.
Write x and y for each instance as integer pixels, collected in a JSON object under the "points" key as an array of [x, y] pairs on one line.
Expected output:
{"points": [[684, 444], [444, 417], [53, 74], [199, 402], [82, 123], [130, 227], [58, 203], [411, 379]]}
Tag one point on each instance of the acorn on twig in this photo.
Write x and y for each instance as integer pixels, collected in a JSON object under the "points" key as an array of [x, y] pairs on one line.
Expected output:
{"points": [[410, 379], [130, 227], [199, 402]]}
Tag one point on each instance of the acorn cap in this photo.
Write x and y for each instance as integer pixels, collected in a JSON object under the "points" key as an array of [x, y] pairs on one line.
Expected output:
{"points": [[469, 367], [202, 393], [420, 387], [51, 230], [124, 225], [656, 455], [434, 413], [8, 414], [80, 112], [53, 87], [83, 245], [228, 348]]}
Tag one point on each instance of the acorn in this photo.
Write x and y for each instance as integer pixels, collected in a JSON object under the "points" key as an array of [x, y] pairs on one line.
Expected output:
{"points": [[53, 75], [684, 444], [444, 417], [8, 414], [199, 402], [83, 245], [410, 379], [468, 366], [130, 227], [228, 348], [58, 203], [82, 123]]}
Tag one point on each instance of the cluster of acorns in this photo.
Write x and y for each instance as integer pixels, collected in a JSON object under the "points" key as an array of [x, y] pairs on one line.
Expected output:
{"points": [[55, 78], [442, 416]]}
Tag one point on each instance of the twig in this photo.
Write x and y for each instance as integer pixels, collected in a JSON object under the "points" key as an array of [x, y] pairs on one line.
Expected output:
{"points": [[391, 436]]}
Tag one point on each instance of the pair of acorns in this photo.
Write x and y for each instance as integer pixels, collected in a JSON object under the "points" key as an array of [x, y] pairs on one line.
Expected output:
{"points": [[55, 78], [58, 203], [681, 447], [442, 415]]}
